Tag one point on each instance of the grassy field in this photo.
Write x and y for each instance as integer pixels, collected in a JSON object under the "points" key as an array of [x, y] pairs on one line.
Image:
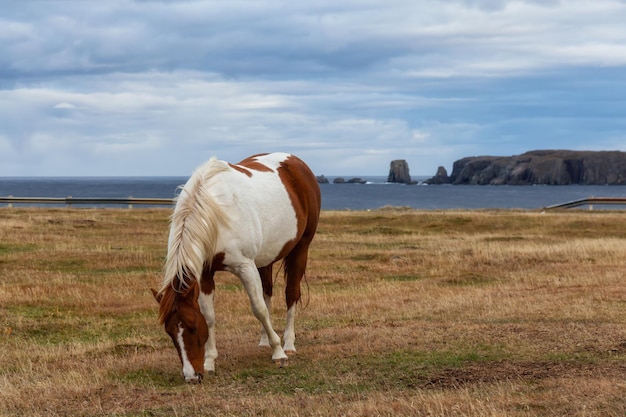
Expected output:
{"points": [[477, 313]]}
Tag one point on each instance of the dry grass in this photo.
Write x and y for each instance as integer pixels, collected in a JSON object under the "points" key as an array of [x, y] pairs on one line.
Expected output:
{"points": [[406, 313]]}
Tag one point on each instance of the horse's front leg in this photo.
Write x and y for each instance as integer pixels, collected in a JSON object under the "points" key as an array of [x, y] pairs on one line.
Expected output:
{"points": [[206, 300], [251, 280], [265, 341]]}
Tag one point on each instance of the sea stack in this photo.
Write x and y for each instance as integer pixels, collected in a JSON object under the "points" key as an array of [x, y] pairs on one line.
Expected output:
{"points": [[441, 177], [399, 172]]}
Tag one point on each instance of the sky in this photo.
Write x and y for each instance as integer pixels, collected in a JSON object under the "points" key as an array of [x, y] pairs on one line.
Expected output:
{"points": [[155, 88]]}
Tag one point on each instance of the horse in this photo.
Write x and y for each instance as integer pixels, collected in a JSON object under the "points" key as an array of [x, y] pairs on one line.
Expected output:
{"points": [[240, 218]]}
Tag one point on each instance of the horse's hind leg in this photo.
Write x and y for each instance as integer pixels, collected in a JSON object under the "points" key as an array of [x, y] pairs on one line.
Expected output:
{"points": [[295, 266], [266, 280]]}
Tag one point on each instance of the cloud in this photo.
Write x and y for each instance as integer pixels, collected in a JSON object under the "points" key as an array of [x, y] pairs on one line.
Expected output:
{"points": [[266, 37], [6, 148], [64, 106], [346, 84]]}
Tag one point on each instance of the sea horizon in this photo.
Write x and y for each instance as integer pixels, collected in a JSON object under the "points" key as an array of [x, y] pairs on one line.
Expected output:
{"points": [[374, 194]]}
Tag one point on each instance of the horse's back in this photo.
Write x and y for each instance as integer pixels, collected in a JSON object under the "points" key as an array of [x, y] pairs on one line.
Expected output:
{"points": [[288, 174]]}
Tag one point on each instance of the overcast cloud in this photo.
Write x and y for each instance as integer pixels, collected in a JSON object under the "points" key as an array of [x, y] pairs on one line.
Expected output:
{"points": [[157, 87]]}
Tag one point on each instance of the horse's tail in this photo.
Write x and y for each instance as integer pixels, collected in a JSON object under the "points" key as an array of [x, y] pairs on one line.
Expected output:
{"points": [[194, 228]]}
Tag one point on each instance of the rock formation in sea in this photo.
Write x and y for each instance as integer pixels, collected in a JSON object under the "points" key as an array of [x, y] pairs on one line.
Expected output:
{"points": [[321, 179], [355, 180], [552, 167], [441, 177], [399, 172]]}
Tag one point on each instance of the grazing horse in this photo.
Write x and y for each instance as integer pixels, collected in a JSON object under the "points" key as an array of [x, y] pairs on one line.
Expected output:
{"points": [[238, 218]]}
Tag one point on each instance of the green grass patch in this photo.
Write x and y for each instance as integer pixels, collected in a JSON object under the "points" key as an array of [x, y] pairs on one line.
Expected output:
{"points": [[385, 231], [229, 287], [6, 249], [50, 325], [64, 265], [322, 322], [33, 312], [504, 239], [469, 279], [396, 370], [403, 278], [123, 270], [366, 257], [309, 378], [159, 378], [446, 223]]}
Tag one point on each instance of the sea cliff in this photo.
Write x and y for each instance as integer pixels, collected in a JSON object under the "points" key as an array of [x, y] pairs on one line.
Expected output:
{"points": [[550, 167]]}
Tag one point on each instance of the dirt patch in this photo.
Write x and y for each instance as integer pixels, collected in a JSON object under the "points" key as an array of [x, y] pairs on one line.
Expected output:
{"points": [[493, 372]]}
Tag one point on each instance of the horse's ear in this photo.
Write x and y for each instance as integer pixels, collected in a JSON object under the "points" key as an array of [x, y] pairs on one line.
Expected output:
{"points": [[157, 296]]}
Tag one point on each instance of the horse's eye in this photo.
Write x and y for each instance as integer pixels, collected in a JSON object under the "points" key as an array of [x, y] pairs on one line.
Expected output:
{"points": [[192, 330]]}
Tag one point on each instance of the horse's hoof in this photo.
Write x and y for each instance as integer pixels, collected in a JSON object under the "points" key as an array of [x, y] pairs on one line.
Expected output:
{"points": [[196, 379], [282, 363], [290, 353]]}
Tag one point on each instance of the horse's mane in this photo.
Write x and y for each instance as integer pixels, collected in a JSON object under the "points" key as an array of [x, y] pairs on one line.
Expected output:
{"points": [[193, 231]]}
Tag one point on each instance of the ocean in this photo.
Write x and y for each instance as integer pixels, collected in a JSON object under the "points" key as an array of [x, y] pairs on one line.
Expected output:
{"points": [[372, 195]]}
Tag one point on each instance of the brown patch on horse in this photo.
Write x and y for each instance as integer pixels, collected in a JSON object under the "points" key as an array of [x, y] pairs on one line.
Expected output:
{"points": [[304, 193], [293, 173], [265, 273], [207, 284], [217, 263], [252, 163], [169, 298], [240, 169]]}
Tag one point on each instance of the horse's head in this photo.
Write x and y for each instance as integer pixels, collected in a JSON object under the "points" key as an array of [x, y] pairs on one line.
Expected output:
{"points": [[186, 326]]}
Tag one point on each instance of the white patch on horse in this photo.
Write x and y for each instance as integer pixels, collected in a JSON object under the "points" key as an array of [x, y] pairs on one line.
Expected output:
{"points": [[188, 371], [207, 307], [264, 339], [261, 210], [272, 160], [290, 332]]}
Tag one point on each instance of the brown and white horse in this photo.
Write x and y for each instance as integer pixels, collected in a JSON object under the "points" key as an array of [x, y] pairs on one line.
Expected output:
{"points": [[239, 218]]}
